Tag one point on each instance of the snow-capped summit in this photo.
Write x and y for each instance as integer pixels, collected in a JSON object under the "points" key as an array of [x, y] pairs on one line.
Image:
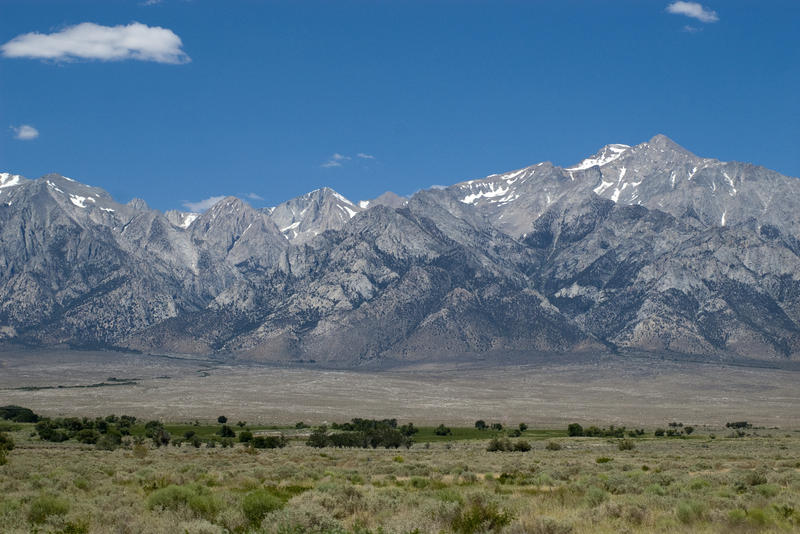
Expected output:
{"points": [[303, 217], [607, 154]]}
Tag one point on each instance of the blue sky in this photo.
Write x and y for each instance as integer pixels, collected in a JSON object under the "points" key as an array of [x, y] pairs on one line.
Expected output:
{"points": [[256, 98]]}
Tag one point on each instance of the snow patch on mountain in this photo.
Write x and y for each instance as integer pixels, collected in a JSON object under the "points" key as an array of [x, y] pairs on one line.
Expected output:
{"points": [[606, 155], [80, 201], [9, 180]]}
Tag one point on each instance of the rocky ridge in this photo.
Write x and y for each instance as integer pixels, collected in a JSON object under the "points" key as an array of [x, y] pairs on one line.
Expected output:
{"points": [[645, 247]]}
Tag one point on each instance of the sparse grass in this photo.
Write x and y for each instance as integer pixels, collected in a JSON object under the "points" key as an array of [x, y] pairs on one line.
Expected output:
{"points": [[749, 484]]}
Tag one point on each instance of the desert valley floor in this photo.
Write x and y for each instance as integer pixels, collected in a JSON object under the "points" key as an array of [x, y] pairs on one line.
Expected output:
{"points": [[548, 391]]}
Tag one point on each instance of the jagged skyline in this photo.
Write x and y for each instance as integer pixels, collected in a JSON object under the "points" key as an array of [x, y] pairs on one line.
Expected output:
{"points": [[179, 105]]}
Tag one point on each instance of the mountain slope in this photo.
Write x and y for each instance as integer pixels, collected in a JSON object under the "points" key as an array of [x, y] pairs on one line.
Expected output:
{"points": [[645, 247], [306, 216]]}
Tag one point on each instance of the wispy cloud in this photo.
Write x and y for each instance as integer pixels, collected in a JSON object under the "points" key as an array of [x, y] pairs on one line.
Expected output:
{"points": [[25, 132], [254, 196], [151, 2], [105, 43], [203, 205], [336, 160], [691, 29], [693, 10]]}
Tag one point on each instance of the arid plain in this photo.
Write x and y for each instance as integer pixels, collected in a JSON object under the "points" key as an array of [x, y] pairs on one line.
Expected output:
{"points": [[635, 391]]}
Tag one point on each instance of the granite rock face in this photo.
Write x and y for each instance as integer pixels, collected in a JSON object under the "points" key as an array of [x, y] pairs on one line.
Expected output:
{"points": [[646, 248]]}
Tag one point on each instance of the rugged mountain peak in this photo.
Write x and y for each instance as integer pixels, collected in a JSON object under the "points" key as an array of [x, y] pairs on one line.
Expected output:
{"points": [[229, 213], [661, 141], [181, 219], [388, 198], [71, 194], [605, 155], [138, 204], [303, 217], [10, 180]]}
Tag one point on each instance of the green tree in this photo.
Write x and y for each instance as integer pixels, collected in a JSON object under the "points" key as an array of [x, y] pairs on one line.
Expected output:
{"points": [[408, 429], [442, 430], [480, 424], [318, 437], [222, 419], [575, 430]]}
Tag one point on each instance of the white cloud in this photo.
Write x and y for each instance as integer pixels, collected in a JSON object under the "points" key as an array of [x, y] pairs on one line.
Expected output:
{"points": [[694, 10], [104, 43], [691, 29], [203, 205], [151, 2], [336, 160], [254, 196], [25, 132]]}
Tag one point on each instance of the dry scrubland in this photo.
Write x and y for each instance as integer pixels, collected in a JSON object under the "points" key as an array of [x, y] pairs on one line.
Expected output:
{"points": [[698, 484]]}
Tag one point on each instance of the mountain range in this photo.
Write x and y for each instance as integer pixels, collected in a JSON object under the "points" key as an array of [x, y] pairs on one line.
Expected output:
{"points": [[636, 248]]}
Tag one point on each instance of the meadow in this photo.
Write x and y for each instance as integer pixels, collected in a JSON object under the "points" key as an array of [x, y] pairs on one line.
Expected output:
{"points": [[714, 480]]}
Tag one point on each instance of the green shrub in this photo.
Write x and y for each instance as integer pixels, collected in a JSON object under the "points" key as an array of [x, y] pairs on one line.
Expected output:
{"points": [[522, 446], [171, 497], [499, 445], [257, 504], [767, 490], [442, 430], [45, 506], [204, 505], [88, 436], [109, 441], [245, 436], [698, 484], [3, 457], [227, 432], [553, 446], [595, 496], [757, 516], [603, 460], [755, 478], [196, 498], [6, 443], [689, 511], [737, 516], [480, 516], [626, 445], [269, 442]]}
